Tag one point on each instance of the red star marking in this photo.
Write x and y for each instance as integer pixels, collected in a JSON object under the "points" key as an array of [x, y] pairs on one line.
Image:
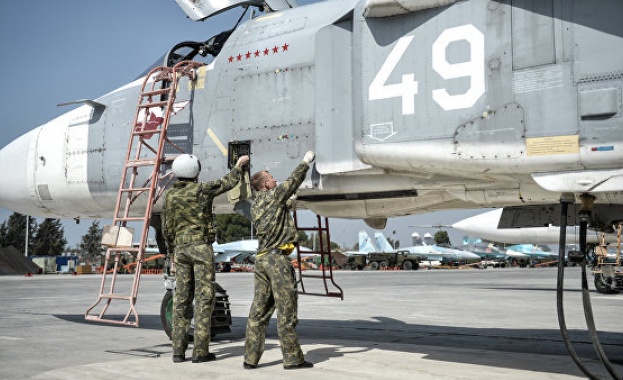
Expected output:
{"points": [[266, 51], [239, 57], [230, 59], [248, 55], [275, 50], [257, 53], [151, 124], [285, 47]]}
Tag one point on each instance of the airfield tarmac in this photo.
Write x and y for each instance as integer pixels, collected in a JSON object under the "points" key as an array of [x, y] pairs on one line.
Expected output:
{"points": [[425, 324]]}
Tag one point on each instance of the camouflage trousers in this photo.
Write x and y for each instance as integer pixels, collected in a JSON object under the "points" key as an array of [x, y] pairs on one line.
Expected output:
{"points": [[194, 277], [275, 288]]}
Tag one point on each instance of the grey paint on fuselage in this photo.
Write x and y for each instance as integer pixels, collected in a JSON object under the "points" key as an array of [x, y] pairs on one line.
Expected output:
{"points": [[475, 104]]}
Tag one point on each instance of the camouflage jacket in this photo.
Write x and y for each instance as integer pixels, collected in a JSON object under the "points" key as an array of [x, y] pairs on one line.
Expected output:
{"points": [[187, 215], [272, 221]]}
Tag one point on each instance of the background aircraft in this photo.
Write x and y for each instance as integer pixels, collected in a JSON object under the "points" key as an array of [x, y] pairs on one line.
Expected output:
{"points": [[366, 245], [429, 250], [533, 253], [490, 253], [485, 226], [488, 73], [449, 254]]}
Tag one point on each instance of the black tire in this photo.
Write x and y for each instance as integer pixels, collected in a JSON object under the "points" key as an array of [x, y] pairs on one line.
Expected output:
{"points": [[374, 265], [221, 317], [407, 265], [603, 285], [383, 265]]}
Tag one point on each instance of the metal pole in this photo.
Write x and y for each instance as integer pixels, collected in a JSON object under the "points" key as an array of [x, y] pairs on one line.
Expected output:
{"points": [[26, 245]]}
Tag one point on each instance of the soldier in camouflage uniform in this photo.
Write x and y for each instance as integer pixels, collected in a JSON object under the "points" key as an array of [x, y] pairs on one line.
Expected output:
{"points": [[275, 283], [189, 231]]}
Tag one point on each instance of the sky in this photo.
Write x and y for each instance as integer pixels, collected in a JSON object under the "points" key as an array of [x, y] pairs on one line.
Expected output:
{"points": [[60, 51]]}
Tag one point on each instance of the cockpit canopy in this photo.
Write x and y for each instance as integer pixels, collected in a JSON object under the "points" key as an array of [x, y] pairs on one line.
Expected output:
{"points": [[198, 10]]}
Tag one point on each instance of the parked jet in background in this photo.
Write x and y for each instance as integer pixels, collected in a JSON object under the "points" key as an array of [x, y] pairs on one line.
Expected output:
{"points": [[532, 253], [429, 250], [229, 255], [485, 226], [491, 254], [366, 245]]}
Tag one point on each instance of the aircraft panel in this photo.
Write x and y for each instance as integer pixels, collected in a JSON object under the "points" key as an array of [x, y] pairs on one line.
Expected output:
{"points": [[286, 98], [594, 61], [533, 33], [498, 136], [76, 154], [335, 132], [419, 70], [601, 125], [541, 89]]}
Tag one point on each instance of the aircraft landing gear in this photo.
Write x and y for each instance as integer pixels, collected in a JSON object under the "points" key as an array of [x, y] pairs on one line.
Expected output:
{"points": [[221, 314]]}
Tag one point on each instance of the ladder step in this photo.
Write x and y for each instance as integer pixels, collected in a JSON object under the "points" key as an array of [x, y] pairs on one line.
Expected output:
{"points": [[137, 163], [123, 249], [314, 276], [330, 294], [133, 189], [163, 91], [111, 321], [128, 219], [147, 132], [153, 104], [115, 296]]}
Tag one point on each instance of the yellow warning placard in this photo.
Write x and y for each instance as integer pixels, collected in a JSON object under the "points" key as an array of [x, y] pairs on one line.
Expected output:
{"points": [[200, 80], [544, 146]]}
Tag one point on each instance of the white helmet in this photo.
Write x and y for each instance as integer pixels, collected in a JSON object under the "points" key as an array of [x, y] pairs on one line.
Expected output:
{"points": [[186, 166]]}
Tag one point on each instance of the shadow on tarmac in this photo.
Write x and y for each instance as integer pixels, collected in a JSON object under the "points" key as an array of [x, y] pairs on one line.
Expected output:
{"points": [[353, 336]]}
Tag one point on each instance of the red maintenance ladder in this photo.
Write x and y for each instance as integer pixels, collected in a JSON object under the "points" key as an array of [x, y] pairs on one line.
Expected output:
{"points": [[142, 184], [326, 260]]}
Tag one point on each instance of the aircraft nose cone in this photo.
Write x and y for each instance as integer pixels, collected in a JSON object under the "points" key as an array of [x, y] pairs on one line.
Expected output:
{"points": [[14, 157]]}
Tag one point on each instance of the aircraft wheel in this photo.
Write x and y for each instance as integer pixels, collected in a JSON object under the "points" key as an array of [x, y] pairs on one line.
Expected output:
{"points": [[407, 265], [374, 265], [166, 312], [166, 315], [603, 285]]}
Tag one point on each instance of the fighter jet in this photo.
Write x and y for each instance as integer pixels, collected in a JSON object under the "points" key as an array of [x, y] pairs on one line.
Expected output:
{"points": [[411, 106], [365, 244], [431, 252]]}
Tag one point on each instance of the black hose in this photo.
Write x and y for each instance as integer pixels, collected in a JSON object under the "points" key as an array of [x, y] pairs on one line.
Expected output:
{"points": [[559, 292], [588, 309]]}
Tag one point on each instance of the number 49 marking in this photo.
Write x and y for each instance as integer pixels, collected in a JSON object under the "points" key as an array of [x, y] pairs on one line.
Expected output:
{"points": [[408, 88]]}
